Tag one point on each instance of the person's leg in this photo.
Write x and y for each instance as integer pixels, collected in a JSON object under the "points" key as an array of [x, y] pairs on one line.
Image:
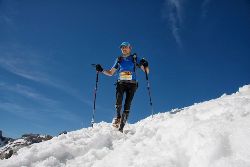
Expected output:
{"points": [[119, 97], [130, 91], [118, 105]]}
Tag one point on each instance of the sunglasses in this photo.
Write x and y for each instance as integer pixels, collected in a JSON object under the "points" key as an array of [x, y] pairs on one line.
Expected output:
{"points": [[122, 47]]}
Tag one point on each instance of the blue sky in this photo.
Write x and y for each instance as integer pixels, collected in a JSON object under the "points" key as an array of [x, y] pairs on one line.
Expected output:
{"points": [[197, 50]]}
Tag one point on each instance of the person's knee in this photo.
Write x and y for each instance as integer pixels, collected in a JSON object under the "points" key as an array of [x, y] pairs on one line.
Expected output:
{"points": [[128, 103], [126, 112], [118, 106]]}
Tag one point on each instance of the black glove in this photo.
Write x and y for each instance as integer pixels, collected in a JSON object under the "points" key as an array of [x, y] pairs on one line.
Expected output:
{"points": [[99, 68], [144, 63]]}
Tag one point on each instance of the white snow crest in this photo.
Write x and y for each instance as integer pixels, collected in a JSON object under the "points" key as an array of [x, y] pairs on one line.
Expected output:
{"points": [[215, 133]]}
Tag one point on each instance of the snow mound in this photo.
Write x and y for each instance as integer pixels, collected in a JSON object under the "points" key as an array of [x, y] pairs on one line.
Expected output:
{"points": [[214, 133]]}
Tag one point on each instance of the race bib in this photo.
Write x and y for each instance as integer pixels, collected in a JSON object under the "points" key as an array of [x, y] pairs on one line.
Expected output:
{"points": [[126, 76]]}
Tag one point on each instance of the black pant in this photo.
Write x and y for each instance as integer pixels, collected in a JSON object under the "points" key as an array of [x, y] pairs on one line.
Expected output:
{"points": [[129, 89]]}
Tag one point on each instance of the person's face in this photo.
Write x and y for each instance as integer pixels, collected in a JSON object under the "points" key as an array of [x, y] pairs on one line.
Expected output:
{"points": [[126, 50]]}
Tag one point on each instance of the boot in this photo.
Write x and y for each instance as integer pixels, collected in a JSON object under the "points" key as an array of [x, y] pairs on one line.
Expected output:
{"points": [[116, 122], [123, 121]]}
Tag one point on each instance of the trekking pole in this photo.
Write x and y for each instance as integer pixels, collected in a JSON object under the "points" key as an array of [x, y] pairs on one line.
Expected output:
{"points": [[95, 91], [149, 93]]}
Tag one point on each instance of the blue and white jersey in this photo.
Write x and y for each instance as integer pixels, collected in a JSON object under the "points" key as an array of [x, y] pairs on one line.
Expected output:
{"points": [[126, 67]]}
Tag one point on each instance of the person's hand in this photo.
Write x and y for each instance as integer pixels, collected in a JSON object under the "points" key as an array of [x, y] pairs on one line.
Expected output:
{"points": [[144, 63], [99, 68]]}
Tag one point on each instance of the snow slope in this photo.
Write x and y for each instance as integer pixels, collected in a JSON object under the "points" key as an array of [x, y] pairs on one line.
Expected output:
{"points": [[215, 133]]}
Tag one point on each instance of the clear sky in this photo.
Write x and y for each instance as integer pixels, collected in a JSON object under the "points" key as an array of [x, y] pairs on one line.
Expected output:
{"points": [[197, 50]]}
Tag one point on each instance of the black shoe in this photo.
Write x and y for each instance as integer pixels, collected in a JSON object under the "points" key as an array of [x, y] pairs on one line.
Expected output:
{"points": [[122, 124], [123, 121], [121, 130]]}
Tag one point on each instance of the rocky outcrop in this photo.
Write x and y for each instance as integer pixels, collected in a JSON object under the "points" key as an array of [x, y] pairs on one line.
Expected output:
{"points": [[63, 132], [4, 140], [11, 146]]}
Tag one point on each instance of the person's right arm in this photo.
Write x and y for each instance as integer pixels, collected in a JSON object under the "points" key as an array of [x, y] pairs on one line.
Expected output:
{"points": [[109, 72]]}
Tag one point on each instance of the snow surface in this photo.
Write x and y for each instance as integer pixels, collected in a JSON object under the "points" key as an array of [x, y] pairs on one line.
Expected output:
{"points": [[215, 133]]}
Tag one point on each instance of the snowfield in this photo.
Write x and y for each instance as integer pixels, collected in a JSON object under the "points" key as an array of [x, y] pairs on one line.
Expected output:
{"points": [[215, 133]]}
